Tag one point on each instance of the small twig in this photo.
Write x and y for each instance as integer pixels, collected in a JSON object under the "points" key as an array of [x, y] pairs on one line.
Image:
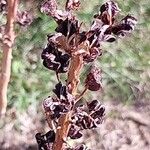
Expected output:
{"points": [[81, 95], [49, 121], [137, 118], [58, 77]]}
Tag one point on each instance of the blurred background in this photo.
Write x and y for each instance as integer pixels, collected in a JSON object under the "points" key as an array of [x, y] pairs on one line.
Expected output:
{"points": [[125, 68]]}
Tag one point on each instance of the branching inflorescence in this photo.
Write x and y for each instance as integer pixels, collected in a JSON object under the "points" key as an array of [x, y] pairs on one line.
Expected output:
{"points": [[67, 51]]}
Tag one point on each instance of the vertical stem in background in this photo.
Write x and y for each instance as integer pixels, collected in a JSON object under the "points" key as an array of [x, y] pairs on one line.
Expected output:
{"points": [[64, 121], [8, 41]]}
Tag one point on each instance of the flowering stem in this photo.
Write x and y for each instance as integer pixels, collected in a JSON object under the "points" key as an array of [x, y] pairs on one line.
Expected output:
{"points": [[8, 41], [64, 121]]}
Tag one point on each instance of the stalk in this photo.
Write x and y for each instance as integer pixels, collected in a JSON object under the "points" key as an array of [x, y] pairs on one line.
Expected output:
{"points": [[64, 121], [8, 41]]}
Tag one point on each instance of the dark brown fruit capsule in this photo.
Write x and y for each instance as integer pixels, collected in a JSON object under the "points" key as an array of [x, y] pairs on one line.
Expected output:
{"points": [[74, 132], [54, 59], [93, 80], [3, 4]]}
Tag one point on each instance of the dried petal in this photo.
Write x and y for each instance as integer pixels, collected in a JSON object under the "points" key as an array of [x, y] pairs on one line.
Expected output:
{"points": [[45, 140], [24, 18], [82, 120], [49, 7], [68, 27], [101, 36], [74, 132], [72, 4], [48, 103], [97, 24], [54, 59], [60, 105], [40, 140], [93, 105], [109, 38], [126, 25], [93, 80], [93, 54], [82, 37], [58, 111], [3, 5], [56, 38], [60, 91], [130, 20], [92, 37], [50, 136], [108, 12], [102, 27], [98, 113], [81, 147], [87, 117], [65, 98], [98, 117], [54, 107]]}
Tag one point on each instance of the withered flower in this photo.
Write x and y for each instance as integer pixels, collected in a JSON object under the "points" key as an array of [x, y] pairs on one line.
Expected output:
{"points": [[93, 79], [55, 107], [126, 25], [3, 5], [24, 18], [86, 118], [60, 90], [93, 54], [45, 140], [107, 12], [79, 147], [68, 27], [49, 7], [60, 104], [54, 59], [74, 132], [72, 4]]}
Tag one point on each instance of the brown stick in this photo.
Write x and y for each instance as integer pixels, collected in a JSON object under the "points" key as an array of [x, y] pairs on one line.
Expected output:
{"points": [[8, 41], [64, 121]]}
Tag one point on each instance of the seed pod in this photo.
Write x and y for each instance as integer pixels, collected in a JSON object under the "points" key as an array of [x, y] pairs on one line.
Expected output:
{"points": [[72, 4], [3, 5], [94, 52], [93, 105], [68, 27], [74, 132], [54, 59], [50, 136], [45, 140], [93, 79], [108, 11], [79, 147], [60, 90], [126, 25], [49, 7]]}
